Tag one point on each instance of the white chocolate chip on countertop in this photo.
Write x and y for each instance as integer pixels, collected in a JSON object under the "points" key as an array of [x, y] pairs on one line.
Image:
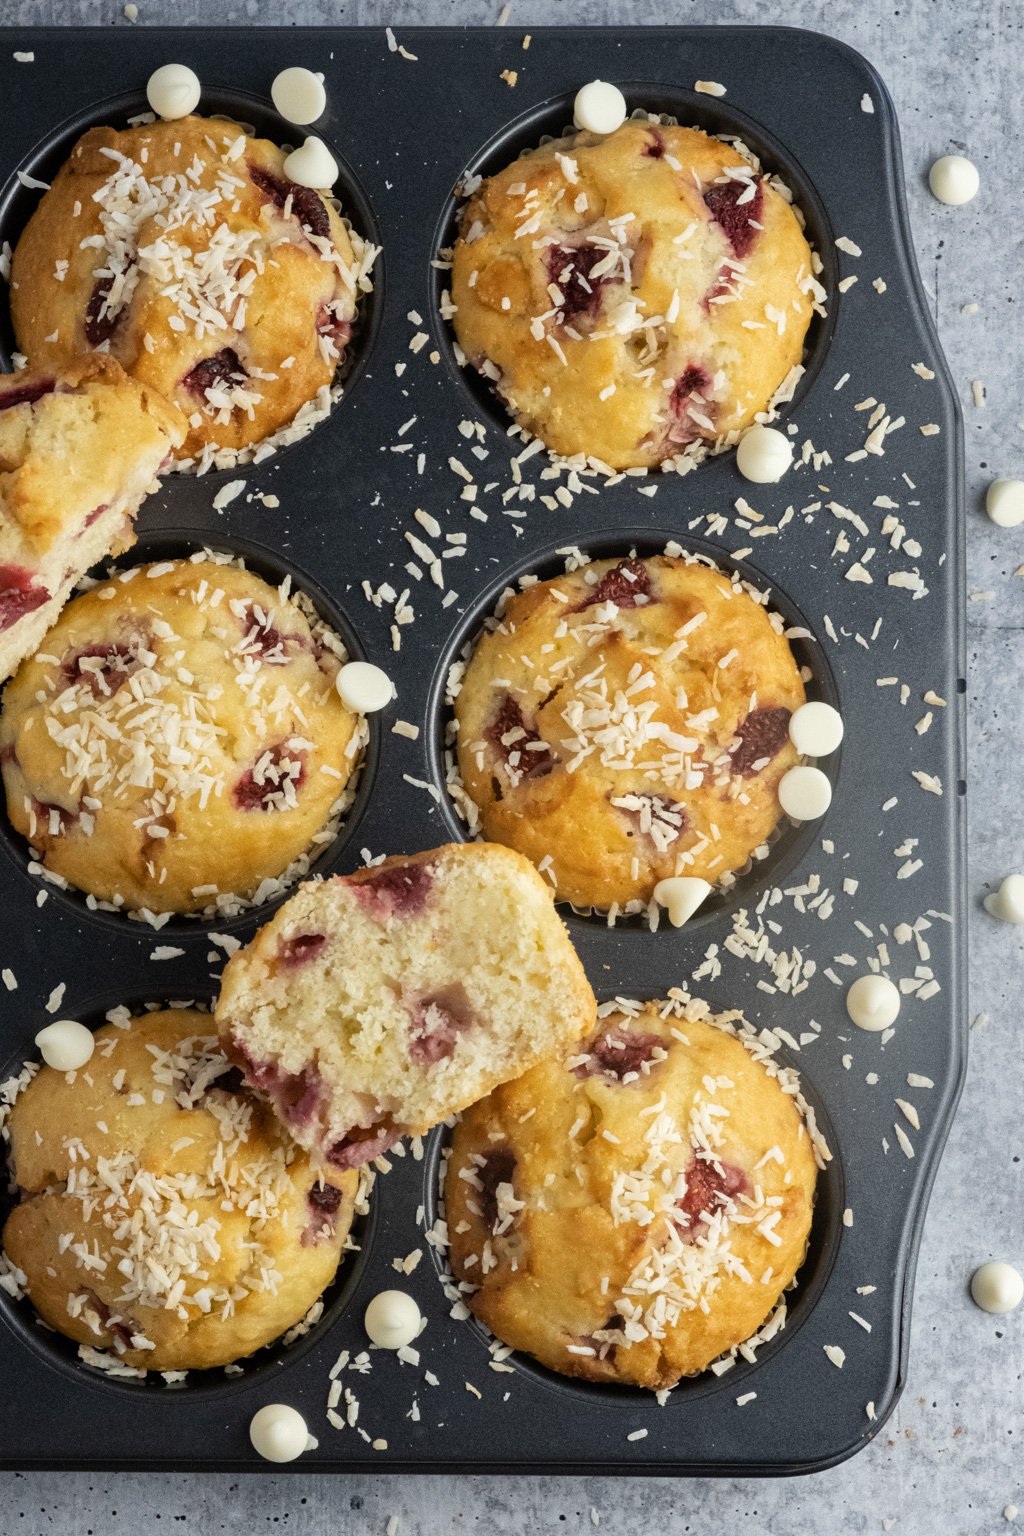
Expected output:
{"points": [[1007, 904], [1004, 502], [954, 180], [997, 1287]]}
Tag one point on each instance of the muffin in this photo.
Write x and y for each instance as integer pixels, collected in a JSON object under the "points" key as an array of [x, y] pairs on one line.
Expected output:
{"points": [[182, 249], [626, 722], [164, 1214], [632, 1213], [67, 499], [180, 741], [635, 297], [377, 1004]]}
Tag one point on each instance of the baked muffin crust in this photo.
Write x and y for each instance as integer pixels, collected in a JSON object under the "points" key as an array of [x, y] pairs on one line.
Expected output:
{"points": [[181, 249], [633, 1212], [180, 741], [165, 1216], [626, 722], [635, 297]]}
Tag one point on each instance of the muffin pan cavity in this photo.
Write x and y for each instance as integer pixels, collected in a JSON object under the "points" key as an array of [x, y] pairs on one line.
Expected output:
{"points": [[552, 119], [800, 1301], [259, 1370], [22, 190], [788, 844], [333, 848]]}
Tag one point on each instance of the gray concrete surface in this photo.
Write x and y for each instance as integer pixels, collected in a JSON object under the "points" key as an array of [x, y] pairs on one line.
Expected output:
{"points": [[952, 1458]]}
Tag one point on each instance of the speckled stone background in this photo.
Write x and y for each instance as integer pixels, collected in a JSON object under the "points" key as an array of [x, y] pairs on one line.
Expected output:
{"points": [[952, 1457]]}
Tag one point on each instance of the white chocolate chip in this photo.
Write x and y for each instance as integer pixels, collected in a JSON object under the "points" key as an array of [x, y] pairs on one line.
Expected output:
{"points": [[815, 729], [173, 91], [278, 1433], [65, 1045], [954, 180], [805, 793], [1007, 904], [299, 95], [997, 1287], [364, 687], [312, 165], [681, 895], [599, 107], [392, 1319], [1004, 502], [873, 1003], [764, 454]]}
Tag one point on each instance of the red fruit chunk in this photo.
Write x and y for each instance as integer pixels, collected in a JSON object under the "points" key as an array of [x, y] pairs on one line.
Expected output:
{"points": [[732, 216], [114, 1323], [97, 512], [100, 322], [656, 148], [260, 785], [297, 1096], [304, 947], [118, 664], [43, 812], [569, 268], [26, 394], [498, 1169], [307, 207], [617, 1054], [330, 324], [763, 733], [531, 763], [400, 890], [437, 1022], [708, 1185], [323, 1201], [682, 429], [628, 585], [224, 367], [360, 1147], [18, 595]]}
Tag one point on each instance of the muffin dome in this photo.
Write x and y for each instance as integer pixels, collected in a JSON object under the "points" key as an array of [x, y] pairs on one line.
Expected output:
{"points": [[182, 249], [633, 298], [180, 740], [164, 1214], [626, 722], [631, 1213]]}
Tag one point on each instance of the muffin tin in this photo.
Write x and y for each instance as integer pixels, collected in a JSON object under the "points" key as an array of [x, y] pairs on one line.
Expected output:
{"points": [[403, 131]]}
